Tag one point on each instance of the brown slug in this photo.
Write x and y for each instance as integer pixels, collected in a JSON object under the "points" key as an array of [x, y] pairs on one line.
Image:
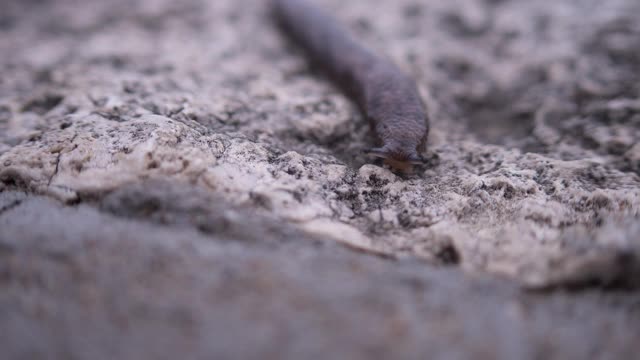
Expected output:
{"points": [[387, 97]]}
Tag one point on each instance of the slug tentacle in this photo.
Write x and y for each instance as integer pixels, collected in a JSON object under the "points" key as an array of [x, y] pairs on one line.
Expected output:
{"points": [[408, 156]]}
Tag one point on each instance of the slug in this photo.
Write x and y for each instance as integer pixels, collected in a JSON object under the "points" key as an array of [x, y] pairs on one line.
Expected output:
{"points": [[387, 97]]}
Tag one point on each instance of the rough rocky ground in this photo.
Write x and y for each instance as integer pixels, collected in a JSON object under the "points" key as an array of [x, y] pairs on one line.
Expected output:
{"points": [[175, 181]]}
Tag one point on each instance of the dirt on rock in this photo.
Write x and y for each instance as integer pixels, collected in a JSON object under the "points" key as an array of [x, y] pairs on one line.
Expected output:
{"points": [[177, 181]]}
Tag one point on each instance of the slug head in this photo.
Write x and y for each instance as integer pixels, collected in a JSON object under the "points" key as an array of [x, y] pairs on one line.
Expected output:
{"points": [[398, 157]]}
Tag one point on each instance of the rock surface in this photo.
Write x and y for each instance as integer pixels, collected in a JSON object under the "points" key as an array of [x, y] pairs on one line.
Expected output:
{"points": [[176, 171]]}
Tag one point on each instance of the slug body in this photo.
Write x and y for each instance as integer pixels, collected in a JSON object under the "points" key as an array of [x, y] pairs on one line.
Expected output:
{"points": [[388, 98]]}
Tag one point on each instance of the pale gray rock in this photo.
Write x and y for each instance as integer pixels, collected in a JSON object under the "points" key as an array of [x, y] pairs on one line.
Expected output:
{"points": [[174, 143]]}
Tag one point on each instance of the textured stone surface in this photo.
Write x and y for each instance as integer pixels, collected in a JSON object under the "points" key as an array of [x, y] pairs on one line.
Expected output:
{"points": [[170, 168], [78, 283]]}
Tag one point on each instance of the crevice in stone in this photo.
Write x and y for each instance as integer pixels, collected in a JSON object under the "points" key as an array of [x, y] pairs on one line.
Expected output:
{"points": [[10, 206], [55, 171]]}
